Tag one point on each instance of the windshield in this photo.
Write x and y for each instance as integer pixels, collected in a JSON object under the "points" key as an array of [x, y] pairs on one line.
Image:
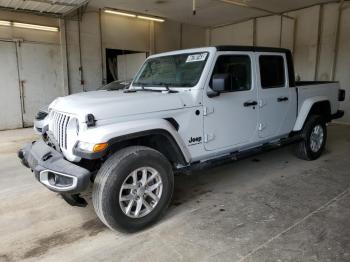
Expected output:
{"points": [[182, 70], [116, 85]]}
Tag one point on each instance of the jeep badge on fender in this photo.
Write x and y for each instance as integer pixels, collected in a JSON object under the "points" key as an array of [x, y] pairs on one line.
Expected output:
{"points": [[195, 140]]}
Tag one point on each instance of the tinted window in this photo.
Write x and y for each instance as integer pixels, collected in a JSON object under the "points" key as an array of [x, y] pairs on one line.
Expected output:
{"points": [[272, 73], [238, 66]]}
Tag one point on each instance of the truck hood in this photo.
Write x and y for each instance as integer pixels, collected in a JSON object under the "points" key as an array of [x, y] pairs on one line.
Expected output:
{"points": [[109, 104]]}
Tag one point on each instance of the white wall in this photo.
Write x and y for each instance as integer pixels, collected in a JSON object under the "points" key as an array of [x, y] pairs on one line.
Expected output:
{"points": [[311, 36], [287, 33], [193, 36], [120, 33], [167, 36], [313, 59], [91, 51], [73, 57], [29, 35], [305, 48], [238, 34], [172, 35], [38, 62], [268, 31], [83, 61], [343, 60], [124, 33], [327, 44], [21, 35]]}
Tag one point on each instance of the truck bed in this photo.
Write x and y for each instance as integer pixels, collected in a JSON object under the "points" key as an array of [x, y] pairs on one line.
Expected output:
{"points": [[319, 90]]}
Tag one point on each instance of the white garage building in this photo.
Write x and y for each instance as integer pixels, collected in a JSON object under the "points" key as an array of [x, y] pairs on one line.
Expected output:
{"points": [[118, 173], [54, 48]]}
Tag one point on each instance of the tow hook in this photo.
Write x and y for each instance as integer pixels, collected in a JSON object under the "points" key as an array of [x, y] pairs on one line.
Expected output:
{"points": [[74, 200], [20, 155]]}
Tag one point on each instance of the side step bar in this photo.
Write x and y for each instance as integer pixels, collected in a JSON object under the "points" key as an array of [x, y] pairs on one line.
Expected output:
{"points": [[236, 155]]}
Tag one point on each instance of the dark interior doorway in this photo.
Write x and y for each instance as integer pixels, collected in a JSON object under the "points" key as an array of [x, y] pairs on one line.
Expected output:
{"points": [[112, 62]]}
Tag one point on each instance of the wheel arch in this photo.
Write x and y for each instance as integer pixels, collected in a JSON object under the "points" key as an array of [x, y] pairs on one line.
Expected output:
{"points": [[158, 139], [319, 105], [162, 132]]}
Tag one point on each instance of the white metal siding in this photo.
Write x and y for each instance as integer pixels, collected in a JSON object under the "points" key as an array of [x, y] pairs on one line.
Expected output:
{"points": [[10, 104], [41, 71]]}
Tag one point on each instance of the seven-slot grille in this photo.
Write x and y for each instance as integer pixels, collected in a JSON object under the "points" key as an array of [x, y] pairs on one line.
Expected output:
{"points": [[58, 127]]}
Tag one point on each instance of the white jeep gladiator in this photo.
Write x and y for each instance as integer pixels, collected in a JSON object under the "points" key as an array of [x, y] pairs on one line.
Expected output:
{"points": [[184, 110]]}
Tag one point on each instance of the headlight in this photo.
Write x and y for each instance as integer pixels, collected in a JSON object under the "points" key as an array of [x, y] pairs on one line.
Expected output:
{"points": [[92, 148]]}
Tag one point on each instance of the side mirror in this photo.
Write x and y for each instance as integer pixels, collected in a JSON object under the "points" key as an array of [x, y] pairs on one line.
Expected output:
{"points": [[221, 83]]}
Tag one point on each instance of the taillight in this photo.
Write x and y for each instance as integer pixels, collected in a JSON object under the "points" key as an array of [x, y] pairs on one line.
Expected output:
{"points": [[341, 95]]}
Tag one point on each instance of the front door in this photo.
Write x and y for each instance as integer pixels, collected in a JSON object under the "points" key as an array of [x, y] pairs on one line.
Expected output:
{"points": [[230, 119], [277, 102]]}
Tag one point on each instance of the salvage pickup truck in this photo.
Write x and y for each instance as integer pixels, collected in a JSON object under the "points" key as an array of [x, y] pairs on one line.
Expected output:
{"points": [[184, 110]]}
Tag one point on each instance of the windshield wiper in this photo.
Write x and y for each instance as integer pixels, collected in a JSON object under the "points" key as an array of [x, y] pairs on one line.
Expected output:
{"points": [[159, 84], [144, 90], [166, 86]]}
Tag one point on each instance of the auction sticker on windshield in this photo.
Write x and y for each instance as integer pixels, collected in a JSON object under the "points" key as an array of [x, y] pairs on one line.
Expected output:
{"points": [[196, 57]]}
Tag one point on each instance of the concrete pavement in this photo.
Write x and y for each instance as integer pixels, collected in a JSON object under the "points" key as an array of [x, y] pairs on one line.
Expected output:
{"points": [[269, 207]]}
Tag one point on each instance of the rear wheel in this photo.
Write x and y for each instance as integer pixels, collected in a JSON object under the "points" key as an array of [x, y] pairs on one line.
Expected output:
{"points": [[314, 138], [133, 188]]}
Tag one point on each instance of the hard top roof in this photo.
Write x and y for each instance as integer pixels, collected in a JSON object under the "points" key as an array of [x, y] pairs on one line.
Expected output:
{"points": [[251, 48]]}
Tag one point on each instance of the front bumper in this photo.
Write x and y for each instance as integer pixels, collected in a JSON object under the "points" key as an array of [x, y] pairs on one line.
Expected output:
{"points": [[52, 170]]}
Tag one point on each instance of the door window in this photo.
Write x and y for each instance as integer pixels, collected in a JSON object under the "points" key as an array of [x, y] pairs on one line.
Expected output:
{"points": [[272, 73], [238, 67]]}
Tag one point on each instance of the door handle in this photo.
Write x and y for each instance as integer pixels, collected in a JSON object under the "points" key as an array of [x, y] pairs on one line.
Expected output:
{"points": [[250, 103], [282, 99]]}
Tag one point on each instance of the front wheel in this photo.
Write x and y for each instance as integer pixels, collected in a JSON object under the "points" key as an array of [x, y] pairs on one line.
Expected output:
{"points": [[314, 138], [133, 188]]}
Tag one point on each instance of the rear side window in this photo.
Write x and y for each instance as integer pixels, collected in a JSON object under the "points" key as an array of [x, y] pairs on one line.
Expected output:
{"points": [[238, 66], [272, 72]]}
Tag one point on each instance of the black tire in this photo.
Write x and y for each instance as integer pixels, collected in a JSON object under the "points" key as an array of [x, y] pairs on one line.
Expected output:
{"points": [[303, 148], [110, 178]]}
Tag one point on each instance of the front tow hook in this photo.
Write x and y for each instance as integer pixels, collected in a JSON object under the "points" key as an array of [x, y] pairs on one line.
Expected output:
{"points": [[74, 200], [21, 155]]}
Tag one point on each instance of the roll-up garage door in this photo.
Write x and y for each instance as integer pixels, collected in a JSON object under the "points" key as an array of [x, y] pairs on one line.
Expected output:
{"points": [[10, 104], [31, 77], [41, 73]]}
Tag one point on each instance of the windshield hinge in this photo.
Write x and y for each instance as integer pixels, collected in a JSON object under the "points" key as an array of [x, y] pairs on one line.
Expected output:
{"points": [[208, 110], [208, 137], [261, 126], [262, 103]]}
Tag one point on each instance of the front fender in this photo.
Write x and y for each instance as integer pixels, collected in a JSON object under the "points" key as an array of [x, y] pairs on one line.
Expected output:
{"points": [[305, 109], [105, 133]]}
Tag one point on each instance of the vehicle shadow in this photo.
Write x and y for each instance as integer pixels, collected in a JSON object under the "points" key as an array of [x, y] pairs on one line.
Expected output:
{"points": [[192, 187]]}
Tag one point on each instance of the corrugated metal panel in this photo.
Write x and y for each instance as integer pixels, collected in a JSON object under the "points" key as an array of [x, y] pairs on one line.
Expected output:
{"points": [[59, 7]]}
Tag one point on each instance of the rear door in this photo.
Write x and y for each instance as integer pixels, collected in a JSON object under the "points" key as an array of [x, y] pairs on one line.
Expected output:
{"points": [[230, 119], [277, 102]]}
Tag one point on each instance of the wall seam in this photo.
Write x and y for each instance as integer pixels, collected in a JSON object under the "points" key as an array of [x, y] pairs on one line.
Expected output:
{"points": [[319, 38]]}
